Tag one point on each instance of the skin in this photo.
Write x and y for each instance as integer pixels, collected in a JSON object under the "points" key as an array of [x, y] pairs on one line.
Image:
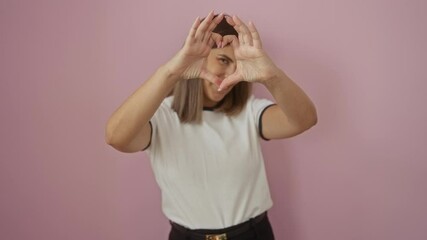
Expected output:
{"points": [[222, 63], [128, 129]]}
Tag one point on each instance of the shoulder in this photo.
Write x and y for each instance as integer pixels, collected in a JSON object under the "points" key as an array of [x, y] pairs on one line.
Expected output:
{"points": [[164, 113], [257, 104], [168, 101], [165, 106]]}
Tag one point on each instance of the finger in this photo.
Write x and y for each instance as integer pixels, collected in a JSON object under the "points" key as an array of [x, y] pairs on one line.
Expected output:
{"points": [[211, 42], [207, 37], [235, 41], [239, 32], [230, 39], [229, 81], [243, 31], [212, 26], [217, 38], [215, 22], [241, 40], [246, 34], [193, 29], [201, 30], [255, 35], [237, 27], [230, 20]]}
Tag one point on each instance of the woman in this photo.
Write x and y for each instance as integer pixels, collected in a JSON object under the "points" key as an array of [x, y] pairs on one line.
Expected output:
{"points": [[203, 139]]}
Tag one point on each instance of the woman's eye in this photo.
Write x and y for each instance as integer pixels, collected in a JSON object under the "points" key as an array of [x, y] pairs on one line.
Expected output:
{"points": [[223, 61]]}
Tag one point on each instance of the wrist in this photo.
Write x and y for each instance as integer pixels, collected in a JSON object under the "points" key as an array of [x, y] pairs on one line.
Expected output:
{"points": [[169, 73], [174, 65], [275, 76]]}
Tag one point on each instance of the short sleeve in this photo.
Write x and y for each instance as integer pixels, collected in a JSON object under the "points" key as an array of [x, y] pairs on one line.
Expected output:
{"points": [[259, 105], [160, 118]]}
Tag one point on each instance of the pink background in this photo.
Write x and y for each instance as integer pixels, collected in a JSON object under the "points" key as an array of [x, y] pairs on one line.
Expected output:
{"points": [[360, 173]]}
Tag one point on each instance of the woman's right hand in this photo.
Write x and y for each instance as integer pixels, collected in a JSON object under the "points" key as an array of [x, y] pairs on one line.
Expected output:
{"points": [[189, 62]]}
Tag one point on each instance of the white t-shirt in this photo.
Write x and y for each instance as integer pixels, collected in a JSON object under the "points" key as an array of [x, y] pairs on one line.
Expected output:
{"points": [[212, 174]]}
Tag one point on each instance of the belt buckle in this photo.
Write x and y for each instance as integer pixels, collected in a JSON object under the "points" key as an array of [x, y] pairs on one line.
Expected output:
{"points": [[217, 237]]}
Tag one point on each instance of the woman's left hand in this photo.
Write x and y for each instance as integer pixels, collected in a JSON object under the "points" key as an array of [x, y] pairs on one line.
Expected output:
{"points": [[252, 62]]}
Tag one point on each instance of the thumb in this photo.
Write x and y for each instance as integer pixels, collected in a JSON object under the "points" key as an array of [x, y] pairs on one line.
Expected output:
{"points": [[229, 81], [230, 39], [217, 38]]}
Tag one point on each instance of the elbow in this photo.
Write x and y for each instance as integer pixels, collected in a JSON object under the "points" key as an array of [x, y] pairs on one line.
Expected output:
{"points": [[118, 139], [109, 137], [313, 119], [308, 125], [109, 141], [117, 145], [113, 142], [310, 121]]}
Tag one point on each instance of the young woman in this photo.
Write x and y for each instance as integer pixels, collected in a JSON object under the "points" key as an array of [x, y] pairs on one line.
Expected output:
{"points": [[201, 126]]}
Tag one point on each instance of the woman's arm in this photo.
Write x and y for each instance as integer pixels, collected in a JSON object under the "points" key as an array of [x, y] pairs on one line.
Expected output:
{"points": [[294, 112], [128, 129]]}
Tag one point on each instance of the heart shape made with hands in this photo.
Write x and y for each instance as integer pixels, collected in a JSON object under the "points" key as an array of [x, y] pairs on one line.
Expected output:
{"points": [[247, 66], [252, 62], [221, 42]]}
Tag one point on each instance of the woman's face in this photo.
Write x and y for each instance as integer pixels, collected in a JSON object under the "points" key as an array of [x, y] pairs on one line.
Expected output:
{"points": [[222, 63]]}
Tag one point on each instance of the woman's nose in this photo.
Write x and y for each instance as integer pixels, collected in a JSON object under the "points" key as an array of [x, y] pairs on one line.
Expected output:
{"points": [[222, 75]]}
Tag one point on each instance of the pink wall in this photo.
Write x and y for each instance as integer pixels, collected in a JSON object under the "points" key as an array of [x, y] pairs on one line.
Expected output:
{"points": [[66, 65]]}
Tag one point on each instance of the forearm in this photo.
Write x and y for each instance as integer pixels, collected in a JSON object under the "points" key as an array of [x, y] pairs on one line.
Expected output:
{"points": [[293, 101], [138, 108]]}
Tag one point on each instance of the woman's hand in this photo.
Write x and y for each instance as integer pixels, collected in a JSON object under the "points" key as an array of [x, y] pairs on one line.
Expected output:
{"points": [[189, 62], [253, 64]]}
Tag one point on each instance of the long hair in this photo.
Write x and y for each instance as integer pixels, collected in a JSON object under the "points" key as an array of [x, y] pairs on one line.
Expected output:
{"points": [[188, 94]]}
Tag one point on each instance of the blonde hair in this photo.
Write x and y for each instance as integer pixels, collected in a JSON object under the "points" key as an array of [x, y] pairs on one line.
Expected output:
{"points": [[188, 99]]}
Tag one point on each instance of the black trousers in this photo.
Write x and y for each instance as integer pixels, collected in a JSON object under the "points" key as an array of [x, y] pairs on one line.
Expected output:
{"points": [[252, 231]]}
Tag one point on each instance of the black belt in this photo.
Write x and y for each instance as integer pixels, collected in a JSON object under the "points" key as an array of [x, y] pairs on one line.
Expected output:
{"points": [[227, 233]]}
